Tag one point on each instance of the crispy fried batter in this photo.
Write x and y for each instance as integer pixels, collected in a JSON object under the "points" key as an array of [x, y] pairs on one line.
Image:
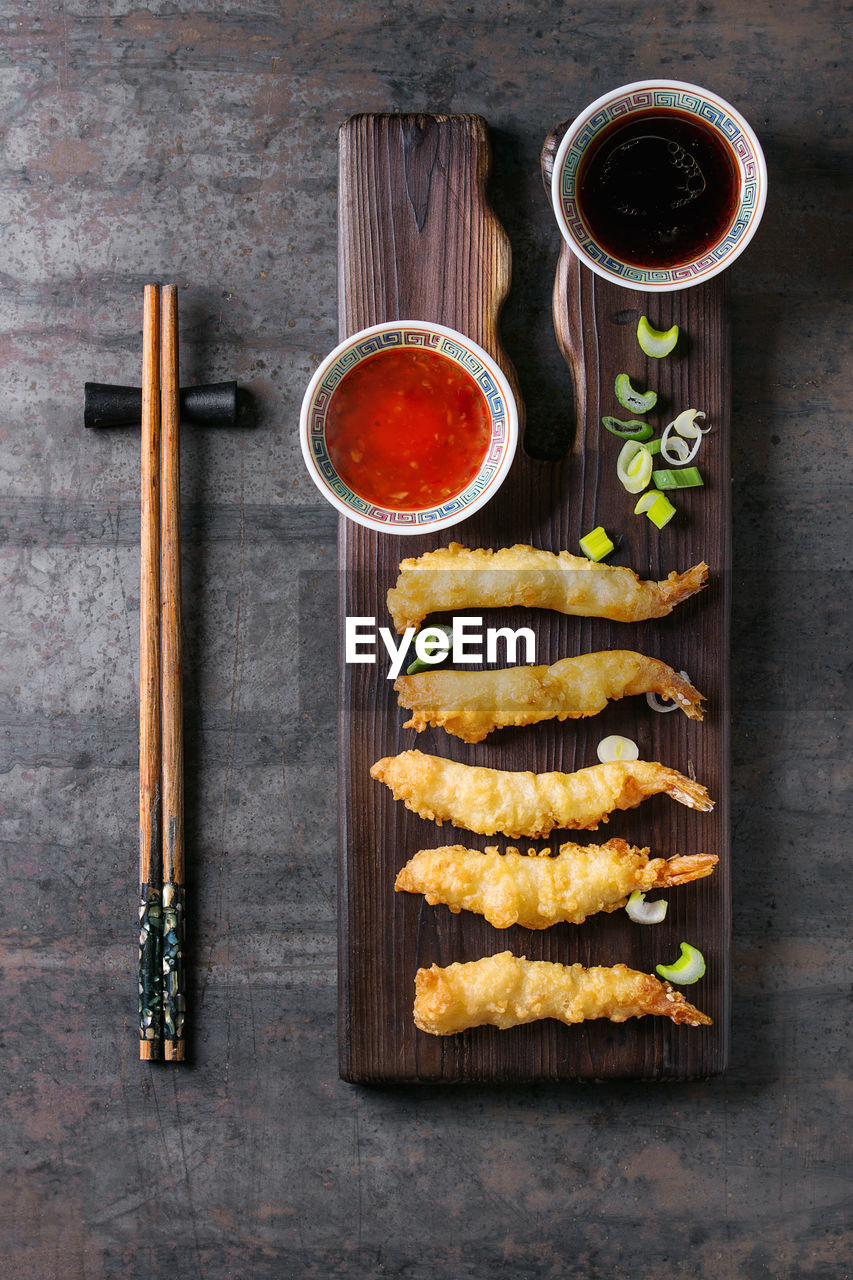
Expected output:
{"points": [[470, 704], [537, 891], [506, 990], [528, 804], [458, 577]]}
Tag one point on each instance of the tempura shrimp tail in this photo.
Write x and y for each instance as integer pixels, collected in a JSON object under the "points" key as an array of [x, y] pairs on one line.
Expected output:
{"points": [[506, 991], [681, 869], [678, 586], [686, 791]]}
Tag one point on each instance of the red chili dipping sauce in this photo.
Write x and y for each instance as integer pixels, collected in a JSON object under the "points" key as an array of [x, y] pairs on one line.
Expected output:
{"points": [[407, 429]]}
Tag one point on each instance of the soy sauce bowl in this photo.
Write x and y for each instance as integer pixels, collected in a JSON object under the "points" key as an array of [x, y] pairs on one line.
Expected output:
{"points": [[704, 111], [468, 357]]}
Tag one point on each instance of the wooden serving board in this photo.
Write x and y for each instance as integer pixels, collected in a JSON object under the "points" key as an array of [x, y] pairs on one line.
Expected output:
{"points": [[418, 241]]}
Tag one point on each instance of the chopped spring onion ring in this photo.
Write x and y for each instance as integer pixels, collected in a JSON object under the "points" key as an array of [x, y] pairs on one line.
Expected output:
{"points": [[661, 511], [670, 704], [688, 968], [653, 446], [677, 447], [632, 430], [431, 648], [655, 342], [645, 501], [684, 478], [596, 545], [684, 425], [617, 748], [636, 401], [642, 912], [634, 466]]}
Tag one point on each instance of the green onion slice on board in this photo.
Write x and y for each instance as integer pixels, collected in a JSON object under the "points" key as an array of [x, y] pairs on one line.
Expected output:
{"points": [[615, 748], [655, 342], [688, 968], [645, 501], [642, 912], [686, 425], [596, 544], [631, 430], [661, 511], [683, 478], [636, 401], [634, 466]]}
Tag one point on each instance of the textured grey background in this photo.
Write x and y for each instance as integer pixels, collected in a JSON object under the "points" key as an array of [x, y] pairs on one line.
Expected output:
{"points": [[199, 145]]}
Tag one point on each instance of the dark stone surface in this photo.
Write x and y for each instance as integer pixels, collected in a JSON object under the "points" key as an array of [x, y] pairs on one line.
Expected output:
{"points": [[194, 145]]}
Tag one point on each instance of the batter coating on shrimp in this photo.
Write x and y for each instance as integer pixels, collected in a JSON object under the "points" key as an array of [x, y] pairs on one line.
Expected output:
{"points": [[537, 890], [528, 804], [458, 577], [470, 704], [506, 990]]}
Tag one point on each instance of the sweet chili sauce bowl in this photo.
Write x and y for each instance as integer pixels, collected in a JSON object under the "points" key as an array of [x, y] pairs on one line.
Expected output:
{"points": [[467, 367], [626, 109]]}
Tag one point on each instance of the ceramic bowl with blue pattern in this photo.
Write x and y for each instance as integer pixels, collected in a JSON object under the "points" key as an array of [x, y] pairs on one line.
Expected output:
{"points": [[610, 117], [422, 335]]}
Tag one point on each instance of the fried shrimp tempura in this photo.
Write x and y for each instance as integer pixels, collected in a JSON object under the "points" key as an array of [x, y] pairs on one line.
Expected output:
{"points": [[458, 577], [506, 990], [537, 891], [528, 804], [470, 704]]}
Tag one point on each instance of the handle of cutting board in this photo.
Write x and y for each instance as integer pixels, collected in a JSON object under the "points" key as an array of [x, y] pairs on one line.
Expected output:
{"points": [[566, 298]]}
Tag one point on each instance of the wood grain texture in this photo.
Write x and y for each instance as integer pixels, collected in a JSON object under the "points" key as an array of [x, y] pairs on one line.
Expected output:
{"points": [[150, 852], [149, 594], [415, 230], [171, 684], [409, 213], [170, 604]]}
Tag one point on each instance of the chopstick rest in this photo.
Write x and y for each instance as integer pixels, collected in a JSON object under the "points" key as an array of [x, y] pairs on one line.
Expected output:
{"points": [[106, 405]]}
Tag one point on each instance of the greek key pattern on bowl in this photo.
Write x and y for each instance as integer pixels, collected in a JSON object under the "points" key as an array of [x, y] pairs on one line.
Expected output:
{"points": [[711, 113], [443, 345]]}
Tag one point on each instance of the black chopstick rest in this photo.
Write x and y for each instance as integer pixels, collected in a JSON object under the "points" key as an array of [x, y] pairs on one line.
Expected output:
{"points": [[214, 405]]}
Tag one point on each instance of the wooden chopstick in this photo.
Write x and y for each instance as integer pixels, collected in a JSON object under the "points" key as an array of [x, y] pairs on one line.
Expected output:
{"points": [[174, 994], [150, 858]]}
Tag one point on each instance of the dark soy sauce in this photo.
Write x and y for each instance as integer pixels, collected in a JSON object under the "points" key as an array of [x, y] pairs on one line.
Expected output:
{"points": [[659, 189]]}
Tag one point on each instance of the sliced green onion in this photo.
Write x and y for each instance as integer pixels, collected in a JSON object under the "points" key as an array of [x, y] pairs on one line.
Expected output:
{"points": [[653, 446], [646, 500], [596, 545], [434, 649], [673, 449], [655, 342], [616, 748], [636, 401], [632, 430], [642, 912], [685, 425], [685, 478], [688, 968], [661, 511], [634, 466]]}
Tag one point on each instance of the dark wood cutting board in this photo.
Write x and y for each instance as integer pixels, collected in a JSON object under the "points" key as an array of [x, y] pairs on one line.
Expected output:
{"points": [[417, 241]]}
